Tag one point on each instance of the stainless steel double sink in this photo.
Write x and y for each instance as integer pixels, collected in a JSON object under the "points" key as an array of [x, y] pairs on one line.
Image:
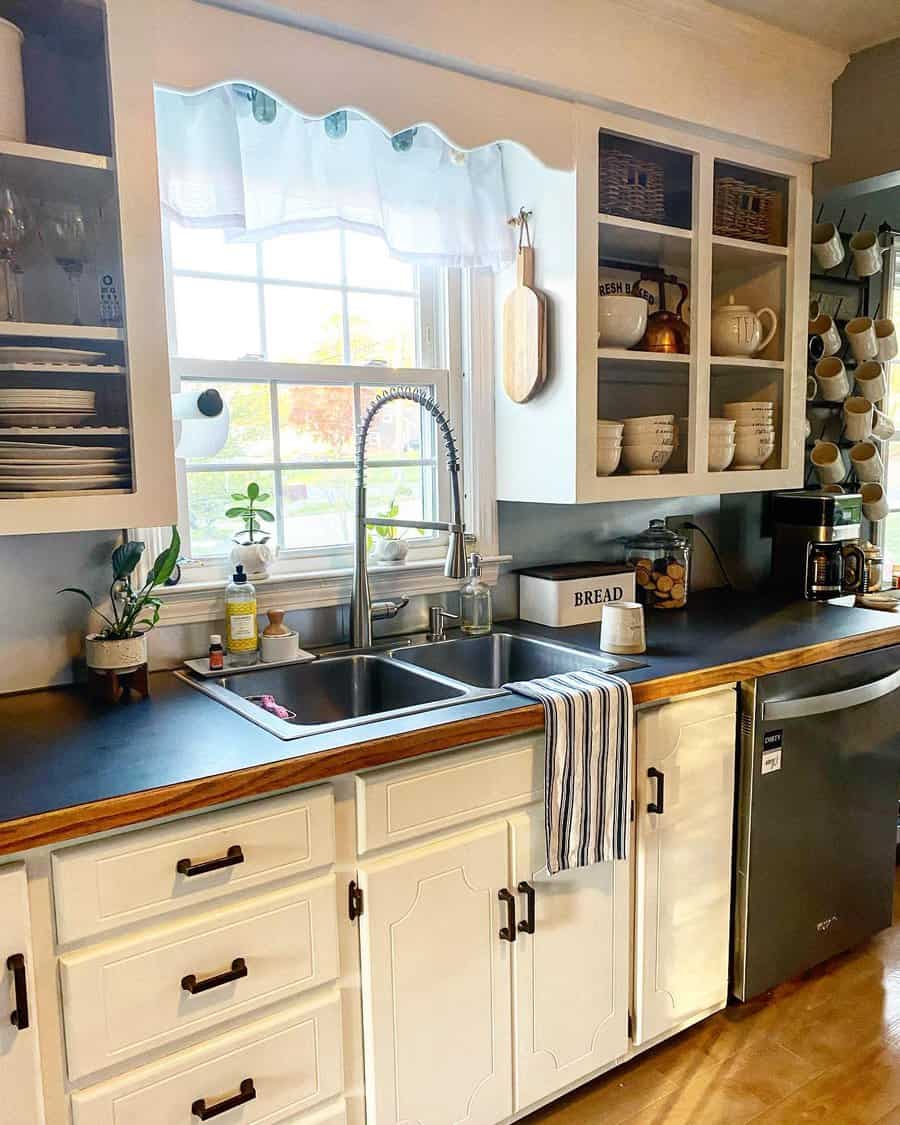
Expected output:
{"points": [[362, 687]]}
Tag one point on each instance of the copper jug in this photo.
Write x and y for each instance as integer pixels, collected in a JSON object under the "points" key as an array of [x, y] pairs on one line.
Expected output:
{"points": [[666, 331]]}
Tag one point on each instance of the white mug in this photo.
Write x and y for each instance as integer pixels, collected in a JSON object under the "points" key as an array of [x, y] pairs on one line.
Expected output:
{"points": [[875, 502], [827, 245], [828, 463], [858, 413], [831, 375], [863, 342], [866, 250], [836, 488], [824, 327], [871, 381], [865, 458], [886, 336], [622, 628], [883, 427], [812, 388]]}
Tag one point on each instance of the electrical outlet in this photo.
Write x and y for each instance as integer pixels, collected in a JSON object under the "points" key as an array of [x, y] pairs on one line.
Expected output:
{"points": [[676, 523]]}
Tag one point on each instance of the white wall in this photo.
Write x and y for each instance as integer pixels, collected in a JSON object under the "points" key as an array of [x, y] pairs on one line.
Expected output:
{"points": [[684, 59]]}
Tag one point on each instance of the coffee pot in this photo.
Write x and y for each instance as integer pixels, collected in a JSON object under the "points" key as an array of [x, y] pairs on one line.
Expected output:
{"points": [[666, 331], [834, 569]]}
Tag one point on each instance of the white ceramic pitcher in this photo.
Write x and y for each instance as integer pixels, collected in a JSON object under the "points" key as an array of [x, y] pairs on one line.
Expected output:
{"points": [[738, 330]]}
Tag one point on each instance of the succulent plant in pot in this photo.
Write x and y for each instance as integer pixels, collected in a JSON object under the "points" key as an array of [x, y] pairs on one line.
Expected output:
{"points": [[388, 544], [121, 645], [251, 548]]}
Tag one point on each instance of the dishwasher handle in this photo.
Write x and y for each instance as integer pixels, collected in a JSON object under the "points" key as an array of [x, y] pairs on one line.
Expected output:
{"points": [[832, 701]]}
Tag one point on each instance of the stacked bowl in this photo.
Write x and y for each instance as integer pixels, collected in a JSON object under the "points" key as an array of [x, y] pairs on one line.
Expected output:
{"points": [[648, 442], [721, 443], [609, 446], [754, 433]]}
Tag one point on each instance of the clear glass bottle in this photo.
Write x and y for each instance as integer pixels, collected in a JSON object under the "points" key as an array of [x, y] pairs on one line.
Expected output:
{"points": [[241, 628], [661, 558], [475, 614]]}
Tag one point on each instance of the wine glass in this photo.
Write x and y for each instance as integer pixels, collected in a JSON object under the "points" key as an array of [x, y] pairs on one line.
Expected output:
{"points": [[16, 227], [68, 234]]}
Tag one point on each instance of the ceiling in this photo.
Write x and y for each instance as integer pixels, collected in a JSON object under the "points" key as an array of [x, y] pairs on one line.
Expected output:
{"points": [[846, 25]]}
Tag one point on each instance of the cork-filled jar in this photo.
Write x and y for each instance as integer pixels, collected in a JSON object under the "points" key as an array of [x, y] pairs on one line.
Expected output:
{"points": [[661, 558]]}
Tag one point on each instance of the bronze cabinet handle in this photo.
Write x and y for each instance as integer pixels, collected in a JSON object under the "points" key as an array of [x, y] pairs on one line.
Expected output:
{"points": [[232, 857], [205, 1112], [508, 932], [659, 805], [237, 971], [526, 926], [19, 1015]]}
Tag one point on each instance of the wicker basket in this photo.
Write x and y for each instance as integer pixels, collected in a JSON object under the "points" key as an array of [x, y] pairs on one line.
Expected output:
{"points": [[743, 210], [631, 187]]}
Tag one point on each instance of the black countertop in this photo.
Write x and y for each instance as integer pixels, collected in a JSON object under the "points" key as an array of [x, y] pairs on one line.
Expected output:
{"points": [[59, 749]]}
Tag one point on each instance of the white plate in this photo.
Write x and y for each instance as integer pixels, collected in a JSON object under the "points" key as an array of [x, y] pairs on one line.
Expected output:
{"points": [[49, 355], [39, 450], [63, 468], [62, 483]]}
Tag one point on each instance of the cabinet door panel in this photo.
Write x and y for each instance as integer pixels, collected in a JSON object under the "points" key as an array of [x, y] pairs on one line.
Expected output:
{"points": [[683, 861], [20, 1068], [571, 974], [436, 983]]}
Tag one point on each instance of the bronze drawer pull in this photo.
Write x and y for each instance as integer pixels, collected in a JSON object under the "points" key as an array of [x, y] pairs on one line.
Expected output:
{"points": [[19, 1016], [508, 932], [232, 857], [237, 971], [205, 1112]]}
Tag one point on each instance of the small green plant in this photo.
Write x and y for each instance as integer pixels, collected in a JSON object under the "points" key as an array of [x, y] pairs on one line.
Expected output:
{"points": [[248, 511], [391, 513], [133, 611]]}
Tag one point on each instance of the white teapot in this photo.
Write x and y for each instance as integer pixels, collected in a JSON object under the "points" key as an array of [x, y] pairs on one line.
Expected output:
{"points": [[738, 330]]}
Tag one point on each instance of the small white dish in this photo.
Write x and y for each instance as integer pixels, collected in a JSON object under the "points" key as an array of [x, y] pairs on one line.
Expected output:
{"points": [[645, 460]]}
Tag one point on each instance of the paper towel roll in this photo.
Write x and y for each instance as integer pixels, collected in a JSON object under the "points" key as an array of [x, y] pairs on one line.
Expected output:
{"points": [[201, 423]]}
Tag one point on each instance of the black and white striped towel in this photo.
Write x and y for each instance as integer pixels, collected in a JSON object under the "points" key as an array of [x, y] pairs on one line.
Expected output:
{"points": [[589, 719]]}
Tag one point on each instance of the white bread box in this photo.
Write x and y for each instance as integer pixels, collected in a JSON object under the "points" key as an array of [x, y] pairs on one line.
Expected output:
{"points": [[572, 593]]}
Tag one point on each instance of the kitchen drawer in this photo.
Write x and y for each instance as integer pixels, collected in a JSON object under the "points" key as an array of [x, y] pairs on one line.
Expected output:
{"points": [[135, 876], [127, 997], [293, 1060], [398, 803]]}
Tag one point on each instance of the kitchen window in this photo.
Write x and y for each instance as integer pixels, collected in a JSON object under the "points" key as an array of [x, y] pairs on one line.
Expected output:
{"points": [[890, 536]]}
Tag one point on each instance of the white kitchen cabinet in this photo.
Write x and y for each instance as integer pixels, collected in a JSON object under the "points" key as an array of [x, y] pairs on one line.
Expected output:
{"points": [[436, 982], [20, 1068], [684, 797], [571, 972]]}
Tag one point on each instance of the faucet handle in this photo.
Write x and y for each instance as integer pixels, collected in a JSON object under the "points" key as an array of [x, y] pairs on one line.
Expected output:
{"points": [[437, 615]]}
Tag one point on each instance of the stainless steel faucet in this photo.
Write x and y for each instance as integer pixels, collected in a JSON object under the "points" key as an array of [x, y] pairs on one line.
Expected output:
{"points": [[362, 612]]}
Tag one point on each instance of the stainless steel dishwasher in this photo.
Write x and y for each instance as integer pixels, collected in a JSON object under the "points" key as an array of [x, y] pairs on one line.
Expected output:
{"points": [[817, 814]]}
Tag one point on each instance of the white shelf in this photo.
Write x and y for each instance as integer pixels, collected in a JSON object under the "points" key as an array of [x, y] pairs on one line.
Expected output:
{"points": [[60, 369], [736, 251], [64, 431], [643, 359], [16, 328], [648, 244], [48, 155], [61, 493], [726, 365], [57, 173], [639, 225]]}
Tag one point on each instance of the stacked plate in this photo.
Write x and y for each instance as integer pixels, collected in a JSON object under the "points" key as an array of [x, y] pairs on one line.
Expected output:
{"points": [[754, 432], [609, 446], [648, 442], [47, 406], [721, 443], [45, 467]]}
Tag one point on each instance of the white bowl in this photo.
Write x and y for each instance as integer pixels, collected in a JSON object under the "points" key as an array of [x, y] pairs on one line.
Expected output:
{"points": [[608, 439], [645, 460], [749, 411], [725, 425], [752, 452], [608, 458], [648, 433], [664, 419], [720, 456], [621, 320], [604, 426], [748, 428], [662, 440]]}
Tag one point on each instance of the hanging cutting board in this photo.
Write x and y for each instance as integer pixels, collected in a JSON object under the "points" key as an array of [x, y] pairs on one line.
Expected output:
{"points": [[524, 333]]}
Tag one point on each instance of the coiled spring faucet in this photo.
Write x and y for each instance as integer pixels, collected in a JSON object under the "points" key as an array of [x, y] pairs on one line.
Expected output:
{"points": [[362, 612]]}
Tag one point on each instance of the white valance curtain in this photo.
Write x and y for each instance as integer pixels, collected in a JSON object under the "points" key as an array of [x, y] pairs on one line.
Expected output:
{"points": [[433, 204]]}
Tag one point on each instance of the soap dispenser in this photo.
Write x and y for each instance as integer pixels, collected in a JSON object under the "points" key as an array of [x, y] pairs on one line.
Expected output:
{"points": [[475, 602]]}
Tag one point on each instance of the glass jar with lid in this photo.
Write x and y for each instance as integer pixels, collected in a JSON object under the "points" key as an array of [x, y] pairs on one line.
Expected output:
{"points": [[661, 558]]}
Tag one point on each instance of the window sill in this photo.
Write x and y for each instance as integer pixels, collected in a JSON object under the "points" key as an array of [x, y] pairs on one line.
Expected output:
{"points": [[202, 601]]}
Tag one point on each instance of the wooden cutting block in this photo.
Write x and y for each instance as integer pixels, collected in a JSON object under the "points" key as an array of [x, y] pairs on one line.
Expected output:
{"points": [[524, 333]]}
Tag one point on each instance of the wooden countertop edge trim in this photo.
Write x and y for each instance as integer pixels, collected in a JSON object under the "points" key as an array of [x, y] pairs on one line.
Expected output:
{"points": [[149, 804]]}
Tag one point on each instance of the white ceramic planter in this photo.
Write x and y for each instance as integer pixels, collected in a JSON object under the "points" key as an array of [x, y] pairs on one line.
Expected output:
{"points": [[389, 550], [253, 557], [115, 655]]}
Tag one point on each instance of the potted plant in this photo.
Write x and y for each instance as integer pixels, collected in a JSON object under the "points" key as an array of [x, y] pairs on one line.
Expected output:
{"points": [[121, 646], [386, 544], [250, 549]]}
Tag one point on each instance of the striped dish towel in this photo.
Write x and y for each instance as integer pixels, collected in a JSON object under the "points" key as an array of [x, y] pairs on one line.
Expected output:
{"points": [[589, 719]]}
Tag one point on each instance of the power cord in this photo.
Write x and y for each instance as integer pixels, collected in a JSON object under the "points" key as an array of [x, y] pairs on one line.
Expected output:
{"points": [[712, 547]]}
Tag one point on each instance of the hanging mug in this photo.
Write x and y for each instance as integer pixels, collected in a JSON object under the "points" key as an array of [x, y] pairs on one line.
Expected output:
{"points": [[866, 250], [827, 247]]}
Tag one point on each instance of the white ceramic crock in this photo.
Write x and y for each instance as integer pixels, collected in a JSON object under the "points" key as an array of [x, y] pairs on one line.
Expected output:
{"points": [[253, 557], [122, 655]]}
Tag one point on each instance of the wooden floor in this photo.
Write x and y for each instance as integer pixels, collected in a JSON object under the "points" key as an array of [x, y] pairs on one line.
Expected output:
{"points": [[825, 1048]]}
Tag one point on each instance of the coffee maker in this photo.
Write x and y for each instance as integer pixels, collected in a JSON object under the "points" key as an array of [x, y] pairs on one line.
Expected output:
{"points": [[815, 550]]}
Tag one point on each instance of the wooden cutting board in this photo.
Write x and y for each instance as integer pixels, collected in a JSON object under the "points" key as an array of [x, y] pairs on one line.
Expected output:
{"points": [[524, 333]]}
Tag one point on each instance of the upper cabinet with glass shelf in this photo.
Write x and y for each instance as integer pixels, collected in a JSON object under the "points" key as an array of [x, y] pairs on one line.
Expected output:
{"points": [[685, 283]]}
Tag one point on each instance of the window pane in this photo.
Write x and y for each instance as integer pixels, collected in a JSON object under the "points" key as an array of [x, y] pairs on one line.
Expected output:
{"points": [[370, 266], [397, 431], [215, 319], [209, 497], [316, 423], [250, 425], [311, 256], [318, 503], [892, 537], [382, 330], [303, 325], [209, 251]]}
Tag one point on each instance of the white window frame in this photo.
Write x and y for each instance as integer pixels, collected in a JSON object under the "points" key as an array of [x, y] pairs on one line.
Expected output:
{"points": [[890, 307]]}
